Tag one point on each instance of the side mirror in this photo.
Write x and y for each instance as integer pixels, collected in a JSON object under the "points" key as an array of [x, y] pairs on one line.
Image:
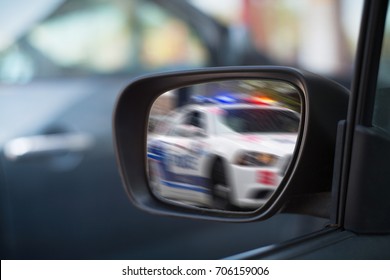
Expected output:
{"points": [[286, 148]]}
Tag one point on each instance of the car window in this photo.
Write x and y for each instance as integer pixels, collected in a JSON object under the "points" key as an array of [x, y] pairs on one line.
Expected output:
{"points": [[319, 36], [102, 37], [195, 118], [184, 120], [381, 116], [257, 120]]}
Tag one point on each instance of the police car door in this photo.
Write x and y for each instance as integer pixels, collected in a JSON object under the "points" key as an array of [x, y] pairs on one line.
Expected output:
{"points": [[197, 142], [184, 158]]}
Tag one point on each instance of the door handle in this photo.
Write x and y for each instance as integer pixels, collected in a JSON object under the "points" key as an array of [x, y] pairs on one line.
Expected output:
{"points": [[47, 146]]}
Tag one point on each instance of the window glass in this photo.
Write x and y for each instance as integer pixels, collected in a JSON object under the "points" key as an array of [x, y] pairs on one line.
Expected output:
{"points": [[196, 119], [85, 37], [381, 116], [102, 37], [319, 36], [259, 120]]}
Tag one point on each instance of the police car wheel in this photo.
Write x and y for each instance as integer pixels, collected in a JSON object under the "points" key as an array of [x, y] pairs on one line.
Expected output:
{"points": [[220, 190]]}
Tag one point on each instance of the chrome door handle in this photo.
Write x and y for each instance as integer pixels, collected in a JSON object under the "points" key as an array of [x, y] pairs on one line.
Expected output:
{"points": [[50, 145]]}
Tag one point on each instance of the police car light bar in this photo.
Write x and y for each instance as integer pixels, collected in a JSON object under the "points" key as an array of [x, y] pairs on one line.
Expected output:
{"points": [[233, 99], [262, 100], [225, 99]]}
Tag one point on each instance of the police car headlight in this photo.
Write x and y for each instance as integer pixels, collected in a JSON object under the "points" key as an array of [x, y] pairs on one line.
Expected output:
{"points": [[256, 159]]}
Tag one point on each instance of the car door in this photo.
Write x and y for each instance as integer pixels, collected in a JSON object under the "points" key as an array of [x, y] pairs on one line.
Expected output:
{"points": [[183, 159], [198, 143]]}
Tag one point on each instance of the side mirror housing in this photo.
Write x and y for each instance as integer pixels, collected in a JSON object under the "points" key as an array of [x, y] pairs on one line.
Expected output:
{"points": [[323, 103]]}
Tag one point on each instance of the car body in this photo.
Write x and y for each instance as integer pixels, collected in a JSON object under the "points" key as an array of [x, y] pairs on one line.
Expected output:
{"points": [[68, 211]]}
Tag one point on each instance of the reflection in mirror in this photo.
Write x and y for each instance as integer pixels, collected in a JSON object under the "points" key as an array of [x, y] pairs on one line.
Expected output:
{"points": [[222, 145]]}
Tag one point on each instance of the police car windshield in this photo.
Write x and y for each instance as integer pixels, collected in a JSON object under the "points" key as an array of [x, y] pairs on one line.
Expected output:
{"points": [[258, 120]]}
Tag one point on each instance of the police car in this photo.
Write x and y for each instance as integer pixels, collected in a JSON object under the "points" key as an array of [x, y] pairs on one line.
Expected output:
{"points": [[224, 155]]}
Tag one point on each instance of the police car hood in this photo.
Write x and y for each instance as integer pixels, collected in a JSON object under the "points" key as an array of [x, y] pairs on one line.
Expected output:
{"points": [[279, 144]]}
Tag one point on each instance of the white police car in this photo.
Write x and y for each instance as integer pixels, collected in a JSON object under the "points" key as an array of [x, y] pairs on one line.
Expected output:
{"points": [[222, 156]]}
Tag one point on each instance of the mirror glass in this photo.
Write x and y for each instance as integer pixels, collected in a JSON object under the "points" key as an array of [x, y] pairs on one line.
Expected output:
{"points": [[222, 145]]}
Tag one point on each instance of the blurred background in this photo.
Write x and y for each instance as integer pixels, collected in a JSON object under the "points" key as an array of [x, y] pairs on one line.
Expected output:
{"points": [[62, 66]]}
